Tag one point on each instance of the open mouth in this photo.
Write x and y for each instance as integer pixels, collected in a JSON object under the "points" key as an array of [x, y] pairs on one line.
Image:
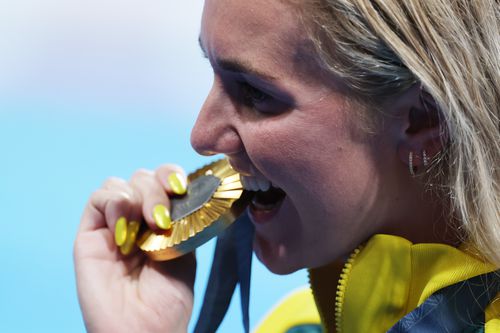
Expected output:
{"points": [[267, 197], [268, 200]]}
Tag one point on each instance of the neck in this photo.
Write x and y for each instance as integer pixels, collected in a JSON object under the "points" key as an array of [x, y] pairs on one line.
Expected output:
{"points": [[421, 215]]}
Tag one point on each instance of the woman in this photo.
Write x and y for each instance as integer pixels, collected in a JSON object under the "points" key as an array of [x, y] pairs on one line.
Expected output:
{"points": [[378, 120]]}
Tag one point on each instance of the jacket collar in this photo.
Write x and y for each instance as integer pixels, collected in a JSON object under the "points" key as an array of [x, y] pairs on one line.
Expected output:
{"points": [[387, 278]]}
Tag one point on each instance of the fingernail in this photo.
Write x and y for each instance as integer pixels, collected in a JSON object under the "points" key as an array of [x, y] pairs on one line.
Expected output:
{"points": [[177, 183], [121, 231], [132, 230], [161, 216]]}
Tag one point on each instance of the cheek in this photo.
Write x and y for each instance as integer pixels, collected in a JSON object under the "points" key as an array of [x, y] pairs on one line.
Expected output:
{"points": [[326, 166], [302, 149], [279, 152]]}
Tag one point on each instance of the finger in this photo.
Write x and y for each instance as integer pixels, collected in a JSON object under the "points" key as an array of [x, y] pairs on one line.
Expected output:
{"points": [[117, 213], [94, 226], [155, 202], [106, 207], [127, 226], [173, 179], [94, 215], [114, 183]]}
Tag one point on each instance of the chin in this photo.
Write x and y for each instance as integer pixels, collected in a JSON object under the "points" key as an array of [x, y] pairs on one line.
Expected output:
{"points": [[274, 257]]}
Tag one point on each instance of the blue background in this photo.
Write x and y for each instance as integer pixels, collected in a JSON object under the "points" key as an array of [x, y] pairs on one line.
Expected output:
{"points": [[92, 89]]}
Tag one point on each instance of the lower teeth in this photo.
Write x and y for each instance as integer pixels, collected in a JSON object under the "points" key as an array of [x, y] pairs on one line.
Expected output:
{"points": [[262, 206]]}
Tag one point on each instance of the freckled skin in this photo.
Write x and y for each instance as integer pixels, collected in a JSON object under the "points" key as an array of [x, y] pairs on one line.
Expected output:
{"points": [[342, 184]]}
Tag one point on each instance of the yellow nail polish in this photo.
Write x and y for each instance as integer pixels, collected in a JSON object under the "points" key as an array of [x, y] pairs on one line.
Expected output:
{"points": [[121, 231], [177, 183], [161, 216], [132, 230]]}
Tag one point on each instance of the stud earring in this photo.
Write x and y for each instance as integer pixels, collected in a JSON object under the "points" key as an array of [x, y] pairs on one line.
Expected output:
{"points": [[425, 158], [410, 163]]}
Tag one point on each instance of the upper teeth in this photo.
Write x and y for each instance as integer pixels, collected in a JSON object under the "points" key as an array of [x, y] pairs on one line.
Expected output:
{"points": [[251, 183]]}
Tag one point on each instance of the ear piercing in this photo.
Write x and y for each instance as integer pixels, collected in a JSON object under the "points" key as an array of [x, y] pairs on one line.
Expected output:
{"points": [[410, 163], [425, 158], [425, 161]]}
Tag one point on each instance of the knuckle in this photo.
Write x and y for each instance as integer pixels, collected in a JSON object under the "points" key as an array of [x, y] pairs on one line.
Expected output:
{"points": [[97, 194], [102, 198], [120, 199], [141, 174], [112, 182]]}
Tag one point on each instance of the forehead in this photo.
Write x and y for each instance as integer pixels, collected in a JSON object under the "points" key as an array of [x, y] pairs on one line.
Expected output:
{"points": [[263, 31]]}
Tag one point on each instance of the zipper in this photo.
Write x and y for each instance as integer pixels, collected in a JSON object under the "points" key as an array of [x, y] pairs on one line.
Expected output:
{"points": [[341, 285], [328, 297]]}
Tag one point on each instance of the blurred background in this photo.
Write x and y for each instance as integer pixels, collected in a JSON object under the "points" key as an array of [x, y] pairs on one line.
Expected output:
{"points": [[92, 89]]}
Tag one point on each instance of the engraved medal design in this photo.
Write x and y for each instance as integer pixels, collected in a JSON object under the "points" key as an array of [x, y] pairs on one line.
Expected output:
{"points": [[214, 199]]}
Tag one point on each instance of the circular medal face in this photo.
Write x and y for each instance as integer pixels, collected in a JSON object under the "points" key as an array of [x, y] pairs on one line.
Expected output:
{"points": [[214, 199]]}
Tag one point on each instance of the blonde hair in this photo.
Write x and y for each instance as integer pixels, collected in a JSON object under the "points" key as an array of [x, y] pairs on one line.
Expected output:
{"points": [[450, 47]]}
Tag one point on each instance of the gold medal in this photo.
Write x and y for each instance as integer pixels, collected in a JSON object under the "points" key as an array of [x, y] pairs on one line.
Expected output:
{"points": [[214, 199]]}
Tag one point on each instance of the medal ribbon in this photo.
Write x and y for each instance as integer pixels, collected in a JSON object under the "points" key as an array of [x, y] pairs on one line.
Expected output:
{"points": [[231, 266]]}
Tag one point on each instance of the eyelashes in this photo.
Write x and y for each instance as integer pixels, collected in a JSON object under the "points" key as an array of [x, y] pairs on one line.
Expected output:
{"points": [[253, 96], [260, 101]]}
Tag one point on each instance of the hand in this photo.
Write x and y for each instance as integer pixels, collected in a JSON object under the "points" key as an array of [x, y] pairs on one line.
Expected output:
{"points": [[131, 293]]}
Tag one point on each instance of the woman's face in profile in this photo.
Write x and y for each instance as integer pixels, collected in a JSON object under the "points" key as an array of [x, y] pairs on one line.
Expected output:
{"points": [[278, 119]]}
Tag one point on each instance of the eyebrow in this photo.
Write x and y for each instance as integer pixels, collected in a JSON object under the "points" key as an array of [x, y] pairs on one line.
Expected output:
{"points": [[237, 66]]}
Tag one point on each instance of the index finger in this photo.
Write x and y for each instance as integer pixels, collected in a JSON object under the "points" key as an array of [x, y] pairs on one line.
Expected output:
{"points": [[173, 179]]}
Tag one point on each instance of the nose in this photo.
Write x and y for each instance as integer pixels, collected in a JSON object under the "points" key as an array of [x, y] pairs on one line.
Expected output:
{"points": [[215, 129]]}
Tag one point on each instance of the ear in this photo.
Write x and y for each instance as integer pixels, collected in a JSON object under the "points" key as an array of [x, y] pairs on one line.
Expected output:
{"points": [[423, 135]]}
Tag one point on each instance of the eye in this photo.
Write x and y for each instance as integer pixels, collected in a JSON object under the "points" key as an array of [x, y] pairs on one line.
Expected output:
{"points": [[253, 96], [259, 100]]}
